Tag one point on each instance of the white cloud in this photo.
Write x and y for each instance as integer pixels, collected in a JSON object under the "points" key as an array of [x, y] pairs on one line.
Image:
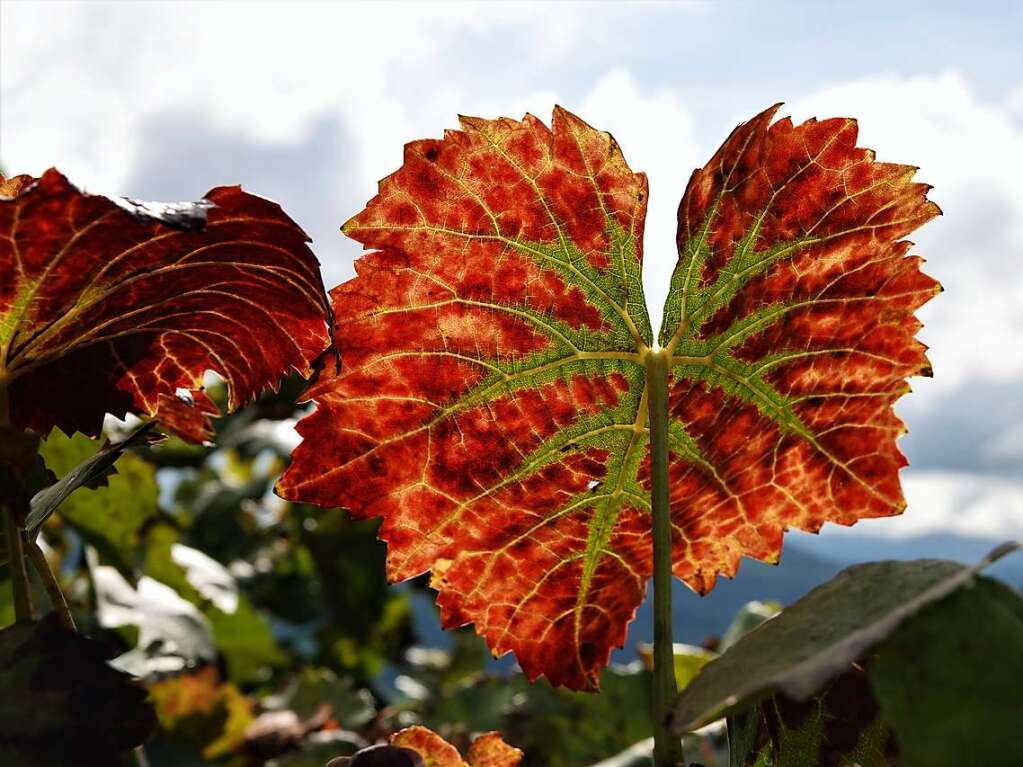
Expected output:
{"points": [[959, 503], [655, 132], [264, 75]]}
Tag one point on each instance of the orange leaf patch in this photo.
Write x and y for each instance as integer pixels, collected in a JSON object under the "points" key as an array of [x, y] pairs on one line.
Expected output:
{"points": [[488, 750]]}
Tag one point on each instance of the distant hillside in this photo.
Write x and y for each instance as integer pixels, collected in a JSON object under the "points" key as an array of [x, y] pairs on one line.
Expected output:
{"points": [[698, 617], [806, 562], [847, 547]]}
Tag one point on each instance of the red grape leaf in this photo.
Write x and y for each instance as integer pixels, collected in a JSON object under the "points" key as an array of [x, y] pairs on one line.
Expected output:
{"points": [[492, 402], [488, 750], [790, 324], [121, 306]]}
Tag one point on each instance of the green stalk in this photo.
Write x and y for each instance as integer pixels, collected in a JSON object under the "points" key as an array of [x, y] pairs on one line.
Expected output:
{"points": [[667, 748], [57, 599], [11, 508], [16, 564]]}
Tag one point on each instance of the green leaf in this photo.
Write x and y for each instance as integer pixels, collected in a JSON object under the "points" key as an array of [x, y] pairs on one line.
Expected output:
{"points": [[245, 639], [92, 472], [820, 635], [841, 727], [950, 681], [688, 660], [243, 635], [107, 517], [750, 615], [351, 708]]}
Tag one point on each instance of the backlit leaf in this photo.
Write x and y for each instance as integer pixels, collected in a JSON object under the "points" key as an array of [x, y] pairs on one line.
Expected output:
{"points": [[791, 329], [80, 465], [492, 403], [120, 306], [108, 517]]}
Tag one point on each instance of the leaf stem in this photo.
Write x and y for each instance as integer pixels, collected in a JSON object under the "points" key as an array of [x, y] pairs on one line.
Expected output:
{"points": [[53, 590], [667, 748], [13, 508], [15, 535], [5, 412]]}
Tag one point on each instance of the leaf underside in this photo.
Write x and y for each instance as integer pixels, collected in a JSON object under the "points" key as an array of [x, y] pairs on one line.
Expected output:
{"points": [[492, 401], [121, 306]]}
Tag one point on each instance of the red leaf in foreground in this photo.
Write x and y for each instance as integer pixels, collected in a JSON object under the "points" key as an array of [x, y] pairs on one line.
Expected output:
{"points": [[118, 306], [492, 405], [790, 321]]}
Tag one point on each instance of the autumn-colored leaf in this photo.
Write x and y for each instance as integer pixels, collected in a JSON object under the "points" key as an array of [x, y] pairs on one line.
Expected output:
{"points": [[488, 750], [492, 403], [791, 329], [120, 306], [199, 707]]}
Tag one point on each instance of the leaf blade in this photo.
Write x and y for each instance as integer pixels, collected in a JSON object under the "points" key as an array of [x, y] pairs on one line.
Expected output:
{"points": [[117, 306], [791, 327], [489, 347]]}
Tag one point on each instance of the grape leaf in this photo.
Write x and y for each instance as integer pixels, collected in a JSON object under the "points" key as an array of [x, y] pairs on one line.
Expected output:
{"points": [[948, 680], [839, 727], [110, 516], [791, 329], [492, 405], [92, 469], [121, 306]]}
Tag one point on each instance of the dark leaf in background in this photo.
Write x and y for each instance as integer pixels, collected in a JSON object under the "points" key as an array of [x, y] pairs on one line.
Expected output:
{"points": [[315, 689], [841, 727], [62, 704]]}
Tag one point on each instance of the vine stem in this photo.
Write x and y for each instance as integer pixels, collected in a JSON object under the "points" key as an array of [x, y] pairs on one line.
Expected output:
{"points": [[53, 590], [667, 748], [12, 503], [16, 558]]}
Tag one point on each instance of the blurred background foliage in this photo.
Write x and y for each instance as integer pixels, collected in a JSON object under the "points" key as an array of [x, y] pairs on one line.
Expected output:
{"points": [[265, 630], [266, 634]]}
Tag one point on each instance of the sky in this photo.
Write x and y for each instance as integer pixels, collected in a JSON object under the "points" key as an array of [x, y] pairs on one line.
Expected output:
{"points": [[310, 103]]}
